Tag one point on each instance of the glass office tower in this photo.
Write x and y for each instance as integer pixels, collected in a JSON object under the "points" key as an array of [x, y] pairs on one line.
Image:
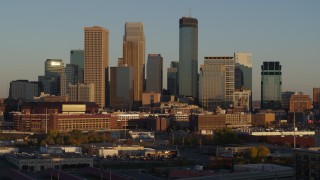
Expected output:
{"points": [[271, 85], [188, 57]]}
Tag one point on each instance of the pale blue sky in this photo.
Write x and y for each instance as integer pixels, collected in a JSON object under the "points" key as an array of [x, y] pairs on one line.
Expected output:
{"points": [[32, 31]]}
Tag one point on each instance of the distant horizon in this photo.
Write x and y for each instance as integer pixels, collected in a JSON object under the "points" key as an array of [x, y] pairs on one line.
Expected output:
{"points": [[284, 31]]}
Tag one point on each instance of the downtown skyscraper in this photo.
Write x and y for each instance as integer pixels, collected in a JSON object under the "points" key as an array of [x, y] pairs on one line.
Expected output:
{"points": [[96, 59], [134, 56], [216, 82], [154, 73], [271, 85], [188, 56]]}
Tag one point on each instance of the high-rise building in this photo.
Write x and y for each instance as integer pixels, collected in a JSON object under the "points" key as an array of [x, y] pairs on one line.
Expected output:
{"points": [[173, 78], [243, 73], [241, 99], [316, 103], [81, 92], [271, 85], [134, 56], [96, 59], [121, 87], [23, 89], [243, 70], [285, 99], [70, 76], [50, 83], [188, 57], [300, 102], [216, 82], [154, 73], [77, 58]]}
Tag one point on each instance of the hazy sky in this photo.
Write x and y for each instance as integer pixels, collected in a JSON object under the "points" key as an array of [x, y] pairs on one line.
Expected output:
{"points": [[32, 31]]}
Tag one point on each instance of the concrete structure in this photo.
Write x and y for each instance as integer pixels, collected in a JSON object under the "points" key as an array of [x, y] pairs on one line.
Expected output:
{"points": [[154, 73], [263, 119], [271, 85], [121, 88], [300, 103], [307, 163], [81, 92], [32, 162], [23, 89], [216, 82], [188, 56], [242, 99], [134, 56], [96, 60], [151, 100]]}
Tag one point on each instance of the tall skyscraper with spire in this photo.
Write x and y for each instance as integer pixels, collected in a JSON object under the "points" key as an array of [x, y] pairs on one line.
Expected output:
{"points": [[134, 56], [188, 56], [96, 59]]}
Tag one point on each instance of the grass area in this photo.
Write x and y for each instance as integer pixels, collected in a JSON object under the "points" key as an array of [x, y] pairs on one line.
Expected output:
{"points": [[144, 165]]}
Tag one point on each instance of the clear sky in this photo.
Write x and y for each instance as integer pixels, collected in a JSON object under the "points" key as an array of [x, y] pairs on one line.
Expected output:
{"points": [[32, 31]]}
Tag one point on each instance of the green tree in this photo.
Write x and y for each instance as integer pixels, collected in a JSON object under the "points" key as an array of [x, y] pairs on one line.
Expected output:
{"points": [[224, 136]]}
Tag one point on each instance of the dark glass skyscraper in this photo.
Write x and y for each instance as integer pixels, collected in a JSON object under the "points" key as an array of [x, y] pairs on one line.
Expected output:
{"points": [[154, 73], [271, 85], [188, 56]]}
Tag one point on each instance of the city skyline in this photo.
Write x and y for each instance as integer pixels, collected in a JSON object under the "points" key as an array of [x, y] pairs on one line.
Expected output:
{"points": [[272, 31]]}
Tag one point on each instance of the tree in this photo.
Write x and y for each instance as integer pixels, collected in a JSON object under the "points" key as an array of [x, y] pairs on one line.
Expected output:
{"points": [[262, 151], [224, 136], [253, 152]]}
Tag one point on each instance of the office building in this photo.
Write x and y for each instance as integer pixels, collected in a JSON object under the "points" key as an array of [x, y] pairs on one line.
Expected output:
{"points": [[23, 90], [154, 73], [50, 83], [271, 85], [300, 102], [81, 92], [285, 99], [121, 88], [316, 103], [96, 59], [243, 70], [173, 78], [306, 163], [242, 99], [188, 57], [77, 58], [216, 82], [134, 56]]}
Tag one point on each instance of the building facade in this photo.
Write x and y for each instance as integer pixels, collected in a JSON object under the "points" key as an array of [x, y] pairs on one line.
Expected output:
{"points": [[188, 57], [154, 73], [216, 82], [173, 78], [300, 102], [134, 56], [81, 92], [96, 60], [271, 85], [50, 83], [23, 89], [121, 88], [77, 58]]}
